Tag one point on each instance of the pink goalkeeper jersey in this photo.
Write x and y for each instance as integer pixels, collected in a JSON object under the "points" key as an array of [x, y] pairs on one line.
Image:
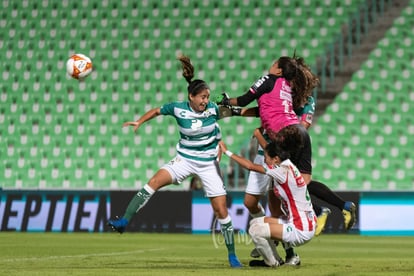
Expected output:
{"points": [[275, 107]]}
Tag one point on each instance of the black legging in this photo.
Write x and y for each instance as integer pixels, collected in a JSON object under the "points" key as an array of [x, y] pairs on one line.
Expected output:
{"points": [[323, 192]]}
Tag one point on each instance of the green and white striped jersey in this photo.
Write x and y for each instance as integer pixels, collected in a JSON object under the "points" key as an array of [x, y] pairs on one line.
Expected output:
{"points": [[199, 132], [306, 112]]}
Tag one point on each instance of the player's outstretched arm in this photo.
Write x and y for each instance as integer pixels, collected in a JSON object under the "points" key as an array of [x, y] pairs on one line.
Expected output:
{"points": [[245, 163], [250, 112], [146, 117], [231, 111], [259, 136]]}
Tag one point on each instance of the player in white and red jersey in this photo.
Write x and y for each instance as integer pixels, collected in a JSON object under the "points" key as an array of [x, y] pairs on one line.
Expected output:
{"points": [[296, 223]]}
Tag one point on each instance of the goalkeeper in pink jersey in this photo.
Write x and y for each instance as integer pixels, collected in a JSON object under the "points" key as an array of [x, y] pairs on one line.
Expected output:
{"points": [[283, 90]]}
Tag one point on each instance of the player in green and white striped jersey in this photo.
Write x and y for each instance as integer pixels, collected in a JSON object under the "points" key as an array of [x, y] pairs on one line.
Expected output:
{"points": [[199, 131], [197, 154]]}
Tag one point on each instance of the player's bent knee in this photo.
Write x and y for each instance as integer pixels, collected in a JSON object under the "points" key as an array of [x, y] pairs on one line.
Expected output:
{"points": [[257, 220], [259, 230]]}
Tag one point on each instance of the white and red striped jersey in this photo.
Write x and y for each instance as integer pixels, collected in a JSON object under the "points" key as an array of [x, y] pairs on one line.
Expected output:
{"points": [[290, 187]]}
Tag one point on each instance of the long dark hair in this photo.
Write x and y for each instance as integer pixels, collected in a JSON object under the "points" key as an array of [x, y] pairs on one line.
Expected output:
{"points": [[274, 149], [194, 86], [300, 76], [290, 140]]}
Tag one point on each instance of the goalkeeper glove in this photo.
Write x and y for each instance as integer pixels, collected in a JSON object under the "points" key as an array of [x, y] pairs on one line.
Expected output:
{"points": [[235, 110], [228, 111], [223, 99]]}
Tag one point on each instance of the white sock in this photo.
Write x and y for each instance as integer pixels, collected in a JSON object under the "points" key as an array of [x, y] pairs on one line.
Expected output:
{"points": [[225, 220], [260, 233], [274, 250], [150, 190]]}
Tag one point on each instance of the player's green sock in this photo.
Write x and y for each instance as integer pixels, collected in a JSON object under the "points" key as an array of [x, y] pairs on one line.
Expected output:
{"points": [[228, 233], [138, 201]]}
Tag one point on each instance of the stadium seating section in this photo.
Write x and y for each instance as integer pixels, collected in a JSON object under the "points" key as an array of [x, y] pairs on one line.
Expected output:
{"points": [[364, 140], [61, 133]]}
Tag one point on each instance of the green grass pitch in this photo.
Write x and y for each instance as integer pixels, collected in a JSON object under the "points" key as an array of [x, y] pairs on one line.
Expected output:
{"points": [[185, 254]]}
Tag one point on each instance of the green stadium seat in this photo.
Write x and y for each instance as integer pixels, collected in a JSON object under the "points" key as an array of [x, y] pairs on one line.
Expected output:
{"points": [[136, 69], [383, 137]]}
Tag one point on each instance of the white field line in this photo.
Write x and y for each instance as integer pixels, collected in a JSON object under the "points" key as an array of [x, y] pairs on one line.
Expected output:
{"points": [[46, 258]]}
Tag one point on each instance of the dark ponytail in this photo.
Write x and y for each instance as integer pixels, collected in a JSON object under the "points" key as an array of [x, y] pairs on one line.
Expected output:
{"points": [[188, 68], [194, 86]]}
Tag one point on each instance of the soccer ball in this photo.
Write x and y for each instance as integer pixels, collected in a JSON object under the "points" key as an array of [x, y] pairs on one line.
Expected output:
{"points": [[79, 66]]}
